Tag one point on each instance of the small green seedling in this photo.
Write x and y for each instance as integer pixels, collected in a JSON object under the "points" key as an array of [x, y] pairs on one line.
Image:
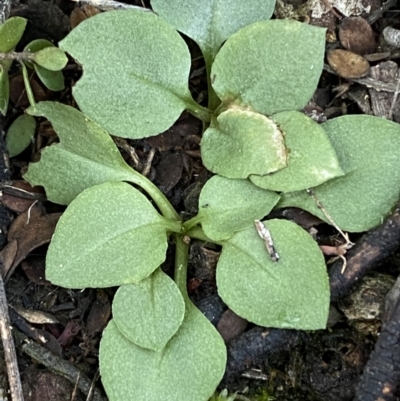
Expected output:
{"points": [[41, 55], [265, 154]]}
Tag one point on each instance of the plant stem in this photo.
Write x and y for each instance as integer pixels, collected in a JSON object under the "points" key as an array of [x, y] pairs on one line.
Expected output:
{"points": [[194, 221], [198, 111], [198, 233], [213, 100], [158, 197], [22, 56], [28, 88], [181, 263], [174, 226]]}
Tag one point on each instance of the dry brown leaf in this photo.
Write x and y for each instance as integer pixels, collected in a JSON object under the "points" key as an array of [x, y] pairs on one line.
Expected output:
{"points": [[347, 64]]}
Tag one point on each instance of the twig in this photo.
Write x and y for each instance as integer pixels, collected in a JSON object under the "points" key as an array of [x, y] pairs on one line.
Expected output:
{"points": [[147, 163], [378, 13], [61, 367], [92, 386], [10, 355], [381, 375], [370, 250]]}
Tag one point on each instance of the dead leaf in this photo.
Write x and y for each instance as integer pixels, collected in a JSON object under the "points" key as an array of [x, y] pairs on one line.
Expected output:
{"points": [[36, 316], [35, 271], [169, 170], [82, 13], [356, 35], [20, 196], [347, 64], [99, 314], [31, 230]]}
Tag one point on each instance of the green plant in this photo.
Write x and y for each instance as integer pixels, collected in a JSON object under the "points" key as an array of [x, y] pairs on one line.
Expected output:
{"points": [[266, 154], [40, 55]]}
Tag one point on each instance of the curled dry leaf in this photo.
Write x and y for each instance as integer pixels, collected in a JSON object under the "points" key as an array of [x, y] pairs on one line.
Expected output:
{"points": [[356, 35], [348, 64]]}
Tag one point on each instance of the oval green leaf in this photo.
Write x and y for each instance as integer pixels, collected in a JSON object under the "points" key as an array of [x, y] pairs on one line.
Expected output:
{"points": [[271, 66], [53, 80], [51, 58], [135, 80], [86, 155], [368, 149], [242, 142], [291, 293], [149, 313], [210, 22], [311, 157], [35, 46], [20, 134], [227, 206], [189, 368], [11, 32], [109, 235]]}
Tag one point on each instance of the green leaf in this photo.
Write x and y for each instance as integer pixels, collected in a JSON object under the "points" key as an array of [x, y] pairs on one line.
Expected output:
{"points": [[35, 46], [149, 313], [86, 155], [242, 142], [291, 293], [53, 80], [188, 368], [227, 206], [4, 87], [311, 157], [368, 149], [271, 66], [11, 32], [20, 134], [109, 235], [51, 58], [210, 22], [135, 81]]}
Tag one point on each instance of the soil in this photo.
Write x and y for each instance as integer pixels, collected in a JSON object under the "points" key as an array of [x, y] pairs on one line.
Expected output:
{"points": [[66, 325]]}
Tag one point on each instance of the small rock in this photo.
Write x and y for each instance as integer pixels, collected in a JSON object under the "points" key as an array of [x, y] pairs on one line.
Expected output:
{"points": [[347, 64]]}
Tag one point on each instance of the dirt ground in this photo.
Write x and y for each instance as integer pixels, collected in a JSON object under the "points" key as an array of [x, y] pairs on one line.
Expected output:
{"points": [[57, 331]]}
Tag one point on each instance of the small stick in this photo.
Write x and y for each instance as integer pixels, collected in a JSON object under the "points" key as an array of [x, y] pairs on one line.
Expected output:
{"points": [[10, 355], [147, 163], [264, 233]]}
